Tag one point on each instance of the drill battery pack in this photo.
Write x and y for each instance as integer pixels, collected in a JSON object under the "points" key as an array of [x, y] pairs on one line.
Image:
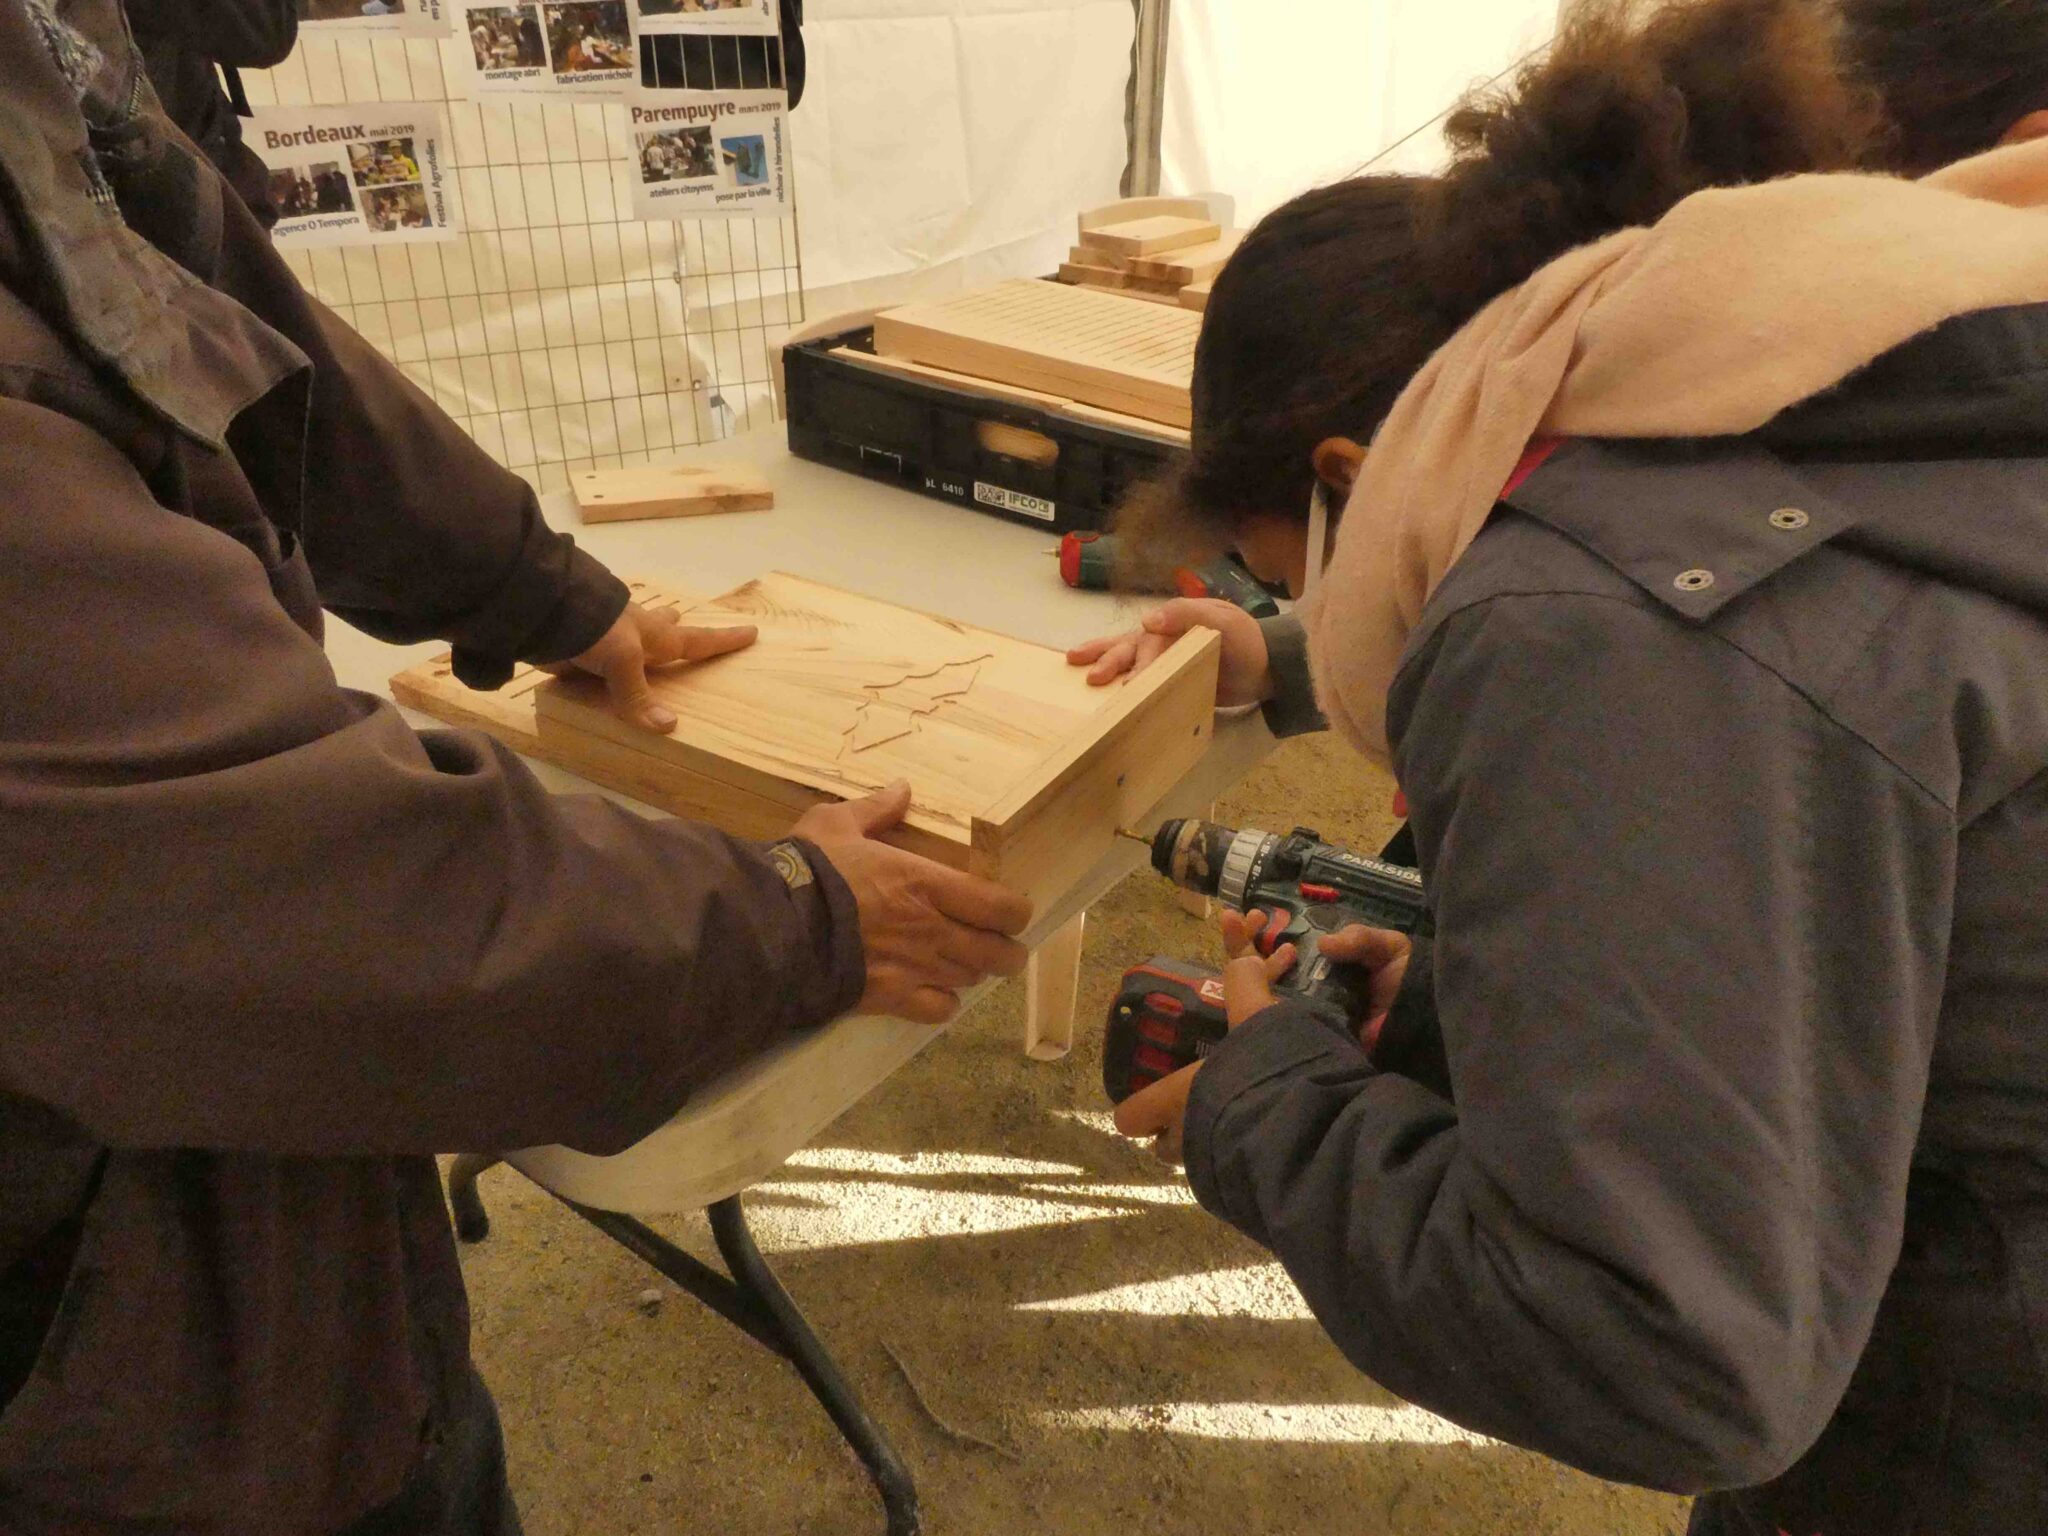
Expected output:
{"points": [[1167, 1015]]}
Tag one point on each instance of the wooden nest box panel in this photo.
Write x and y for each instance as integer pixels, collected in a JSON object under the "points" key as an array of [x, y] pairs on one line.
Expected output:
{"points": [[1021, 771]]}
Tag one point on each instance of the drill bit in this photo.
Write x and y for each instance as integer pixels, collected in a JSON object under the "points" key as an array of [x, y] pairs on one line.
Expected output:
{"points": [[1136, 837]]}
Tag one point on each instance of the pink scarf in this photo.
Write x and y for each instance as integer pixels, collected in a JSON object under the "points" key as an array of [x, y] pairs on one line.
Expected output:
{"points": [[1737, 305]]}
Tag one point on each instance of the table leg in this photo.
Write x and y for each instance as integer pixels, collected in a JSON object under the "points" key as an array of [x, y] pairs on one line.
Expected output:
{"points": [[753, 1301], [1052, 988]]}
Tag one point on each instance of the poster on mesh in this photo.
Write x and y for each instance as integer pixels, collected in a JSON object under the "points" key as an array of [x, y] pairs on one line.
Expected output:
{"points": [[706, 154], [373, 174], [705, 15], [409, 18], [584, 47]]}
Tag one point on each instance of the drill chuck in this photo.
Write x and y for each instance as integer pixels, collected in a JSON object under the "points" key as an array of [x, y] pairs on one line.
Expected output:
{"points": [[1210, 859]]}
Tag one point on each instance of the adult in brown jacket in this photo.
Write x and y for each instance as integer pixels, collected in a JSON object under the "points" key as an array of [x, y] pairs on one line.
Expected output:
{"points": [[264, 949]]}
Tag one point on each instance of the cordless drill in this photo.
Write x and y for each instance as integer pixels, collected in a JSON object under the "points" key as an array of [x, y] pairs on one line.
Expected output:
{"points": [[1088, 561], [1168, 1013]]}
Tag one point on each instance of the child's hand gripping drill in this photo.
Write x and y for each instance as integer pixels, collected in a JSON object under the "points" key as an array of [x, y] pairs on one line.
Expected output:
{"points": [[1307, 921], [1248, 982]]}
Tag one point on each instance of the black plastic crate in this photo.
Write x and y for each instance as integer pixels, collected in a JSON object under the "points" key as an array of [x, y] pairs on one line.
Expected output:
{"points": [[945, 441]]}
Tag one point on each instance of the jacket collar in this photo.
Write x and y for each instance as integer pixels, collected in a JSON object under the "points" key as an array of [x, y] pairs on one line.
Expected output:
{"points": [[191, 354], [1727, 515], [1698, 523]]}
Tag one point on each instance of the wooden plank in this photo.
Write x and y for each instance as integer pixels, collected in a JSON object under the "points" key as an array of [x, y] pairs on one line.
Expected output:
{"points": [[1195, 297], [1091, 256], [763, 808], [1197, 264], [1147, 296], [847, 694], [1129, 209], [1021, 770], [1147, 237], [1016, 393], [1087, 346], [1050, 830], [1052, 991], [669, 490], [1094, 277]]}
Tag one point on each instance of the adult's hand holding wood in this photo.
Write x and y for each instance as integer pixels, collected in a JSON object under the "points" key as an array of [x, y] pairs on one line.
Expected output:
{"points": [[639, 641], [927, 931], [1244, 677]]}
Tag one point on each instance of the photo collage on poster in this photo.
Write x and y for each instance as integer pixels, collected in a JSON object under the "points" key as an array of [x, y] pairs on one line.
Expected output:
{"points": [[354, 175], [710, 127], [584, 46]]}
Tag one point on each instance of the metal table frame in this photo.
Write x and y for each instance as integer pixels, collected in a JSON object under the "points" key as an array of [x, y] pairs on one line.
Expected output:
{"points": [[751, 1298]]}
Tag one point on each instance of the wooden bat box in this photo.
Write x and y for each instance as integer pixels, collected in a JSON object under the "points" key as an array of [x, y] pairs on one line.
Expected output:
{"points": [[1020, 770]]}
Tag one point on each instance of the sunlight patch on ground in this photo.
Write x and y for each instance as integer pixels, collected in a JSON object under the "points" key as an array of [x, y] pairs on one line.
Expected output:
{"points": [[1294, 1424], [842, 1215], [861, 1160], [1258, 1290]]}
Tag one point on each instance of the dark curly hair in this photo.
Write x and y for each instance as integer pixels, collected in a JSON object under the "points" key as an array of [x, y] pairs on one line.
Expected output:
{"points": [[1954, 74], [1336, 299]]}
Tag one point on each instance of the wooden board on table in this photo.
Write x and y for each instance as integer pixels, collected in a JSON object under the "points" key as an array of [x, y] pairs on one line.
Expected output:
{"points": [[1016, 393], [1196, 264], [1125, 210], [1020, 770], [508, 715], [1094, 277], [1149, 236], [669, 490], [1196, 296], [1089, 256], [1069, 341]]}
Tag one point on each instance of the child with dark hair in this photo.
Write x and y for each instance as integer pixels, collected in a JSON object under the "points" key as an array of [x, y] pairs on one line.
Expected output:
{"points": [[1691, 568], [1957, 76]]}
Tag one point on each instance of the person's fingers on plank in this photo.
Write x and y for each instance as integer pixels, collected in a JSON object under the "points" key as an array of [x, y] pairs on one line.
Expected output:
{"points": [[682, 645], [625, 681]]}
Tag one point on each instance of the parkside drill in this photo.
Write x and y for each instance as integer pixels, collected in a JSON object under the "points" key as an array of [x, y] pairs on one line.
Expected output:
{"points": [[1169, 1013]]}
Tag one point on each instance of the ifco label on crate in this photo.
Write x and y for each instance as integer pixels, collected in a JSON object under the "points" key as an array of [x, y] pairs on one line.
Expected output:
{"points": [[1013, 501]]}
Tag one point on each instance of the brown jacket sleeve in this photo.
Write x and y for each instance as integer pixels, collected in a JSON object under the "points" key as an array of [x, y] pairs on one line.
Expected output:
{"points": [[248, 909]]}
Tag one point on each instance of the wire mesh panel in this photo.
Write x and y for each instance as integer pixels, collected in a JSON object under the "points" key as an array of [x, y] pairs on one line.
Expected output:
{"points": [[561, 332]]}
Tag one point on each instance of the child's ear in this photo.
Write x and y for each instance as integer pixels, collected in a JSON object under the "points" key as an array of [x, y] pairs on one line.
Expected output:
{"points": [[1337, 461]]}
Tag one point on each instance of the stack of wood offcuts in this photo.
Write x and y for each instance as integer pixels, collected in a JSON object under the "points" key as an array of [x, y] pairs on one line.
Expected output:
{"points": [[1164, 258], [1079, 345]]}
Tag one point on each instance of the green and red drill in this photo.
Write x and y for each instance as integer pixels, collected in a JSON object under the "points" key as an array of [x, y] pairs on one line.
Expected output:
{"points": [[1088, 561]]}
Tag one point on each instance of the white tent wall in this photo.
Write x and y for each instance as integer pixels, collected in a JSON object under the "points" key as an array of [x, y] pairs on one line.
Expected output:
{"points": [[1266, 100], [944, 143]]}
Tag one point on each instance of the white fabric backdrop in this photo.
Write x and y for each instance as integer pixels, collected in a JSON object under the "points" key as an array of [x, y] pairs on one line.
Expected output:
{"points": [[1267, 99], [948, 142]]}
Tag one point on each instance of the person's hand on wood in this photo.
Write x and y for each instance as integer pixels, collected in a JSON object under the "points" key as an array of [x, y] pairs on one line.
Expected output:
{"points": [[1160, 1109], [1244, 677], [928, 931], [641, 641]]}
